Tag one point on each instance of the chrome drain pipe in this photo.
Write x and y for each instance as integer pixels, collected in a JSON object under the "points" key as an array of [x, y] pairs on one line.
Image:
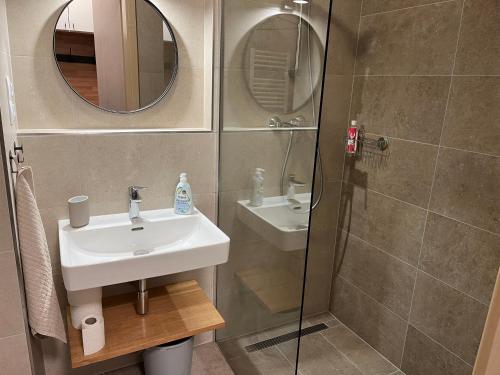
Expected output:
{"points": [[142, 303]]}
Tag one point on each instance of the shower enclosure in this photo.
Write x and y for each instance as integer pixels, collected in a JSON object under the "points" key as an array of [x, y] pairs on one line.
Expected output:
{"points": [[272, 79], [387, 262]]}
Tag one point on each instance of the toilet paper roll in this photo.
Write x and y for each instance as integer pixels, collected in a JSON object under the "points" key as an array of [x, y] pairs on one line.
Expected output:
{"points": [[92, 334], [78, 313]]}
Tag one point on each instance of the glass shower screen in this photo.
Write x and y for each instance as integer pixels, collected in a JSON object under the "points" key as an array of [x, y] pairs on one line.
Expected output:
{"points": [[272, 75]]}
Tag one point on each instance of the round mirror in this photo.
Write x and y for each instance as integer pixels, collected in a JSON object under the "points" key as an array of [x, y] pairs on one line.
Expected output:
{"points": [[118, 55], [282, 63]]}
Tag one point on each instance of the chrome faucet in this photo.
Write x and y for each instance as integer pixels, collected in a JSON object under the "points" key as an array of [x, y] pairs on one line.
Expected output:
{"points": [[134, 212], [292, 184]]}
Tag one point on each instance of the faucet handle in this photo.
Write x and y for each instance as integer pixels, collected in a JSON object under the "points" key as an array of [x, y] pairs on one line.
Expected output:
{"points": [[133, 192]]}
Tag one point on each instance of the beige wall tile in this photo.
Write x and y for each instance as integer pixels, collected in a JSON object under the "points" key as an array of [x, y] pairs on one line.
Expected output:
{"points": [[242, 152], [396, 172], [36, 40], [405, 107], [9, 129], [321, 250], [43, 98], [334, 122], [424, 356], [11, 319], [4, 32], [58, 173], [46, 102], [14, 358], [479, 51], [6, 243], [187, 20], [103, 166], [241, 110], [377, 325], [464, 257], [376, 6], [448, 316], [472, 114], [367, 215], [466, 188], [343, 37], [400, 40], [415, 41], [381, 276]]}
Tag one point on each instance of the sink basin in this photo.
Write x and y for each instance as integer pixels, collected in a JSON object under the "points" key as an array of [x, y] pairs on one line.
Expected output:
{"points": [[112, 249], [278, 221]]}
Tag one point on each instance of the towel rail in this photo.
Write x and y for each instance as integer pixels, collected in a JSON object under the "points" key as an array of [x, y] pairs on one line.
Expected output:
{"points": [[16, 158]]}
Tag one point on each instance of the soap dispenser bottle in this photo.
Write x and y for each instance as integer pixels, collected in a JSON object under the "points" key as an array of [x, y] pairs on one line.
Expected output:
{"points": [[258, 188], [183, 200]]}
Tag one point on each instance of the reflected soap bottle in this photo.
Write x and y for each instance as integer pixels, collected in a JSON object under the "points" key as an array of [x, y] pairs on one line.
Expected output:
{"points": [[183, 200], [258, 188]]}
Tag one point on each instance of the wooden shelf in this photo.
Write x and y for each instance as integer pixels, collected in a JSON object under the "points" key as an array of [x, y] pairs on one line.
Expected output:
{"points": [[175, 311]]}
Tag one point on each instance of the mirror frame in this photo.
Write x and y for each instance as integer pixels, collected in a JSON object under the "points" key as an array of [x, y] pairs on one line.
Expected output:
{"points": [[165, 92]]}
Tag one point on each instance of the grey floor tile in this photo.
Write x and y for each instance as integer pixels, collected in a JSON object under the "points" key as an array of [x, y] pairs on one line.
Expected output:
{"points": [[326, 318], [266, 362], [236, 347], [284, 329], [367, 359], [137, 369], [318, 357], [208, 360]]}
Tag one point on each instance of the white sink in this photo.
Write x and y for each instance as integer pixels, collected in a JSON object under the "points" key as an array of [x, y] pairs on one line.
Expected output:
{"points": [[280, 222], [112, 249]]}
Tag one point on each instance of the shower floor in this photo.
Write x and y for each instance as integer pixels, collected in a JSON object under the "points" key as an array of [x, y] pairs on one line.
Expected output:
{"points": [[335, 350]]}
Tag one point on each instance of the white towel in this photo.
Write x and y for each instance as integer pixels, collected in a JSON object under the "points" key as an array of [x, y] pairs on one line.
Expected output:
{"points": [[44, 314]]}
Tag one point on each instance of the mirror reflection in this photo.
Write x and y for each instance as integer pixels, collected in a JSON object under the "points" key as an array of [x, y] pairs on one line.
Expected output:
{"points": [[283, 63], [119, 55]]}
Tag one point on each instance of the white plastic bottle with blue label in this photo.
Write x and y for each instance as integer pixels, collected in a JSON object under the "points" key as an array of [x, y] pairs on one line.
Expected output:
{"points": [[183, 200]]}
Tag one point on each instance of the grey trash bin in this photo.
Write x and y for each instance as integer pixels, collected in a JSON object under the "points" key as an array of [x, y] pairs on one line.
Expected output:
{"points": [[174, 358]]}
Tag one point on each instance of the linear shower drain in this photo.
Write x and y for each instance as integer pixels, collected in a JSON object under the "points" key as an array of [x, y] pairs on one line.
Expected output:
{"points": [[284, 338]]}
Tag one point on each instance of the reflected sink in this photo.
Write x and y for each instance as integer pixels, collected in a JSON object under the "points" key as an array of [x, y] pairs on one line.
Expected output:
{"points": [[112, 249], [278, 221]]}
